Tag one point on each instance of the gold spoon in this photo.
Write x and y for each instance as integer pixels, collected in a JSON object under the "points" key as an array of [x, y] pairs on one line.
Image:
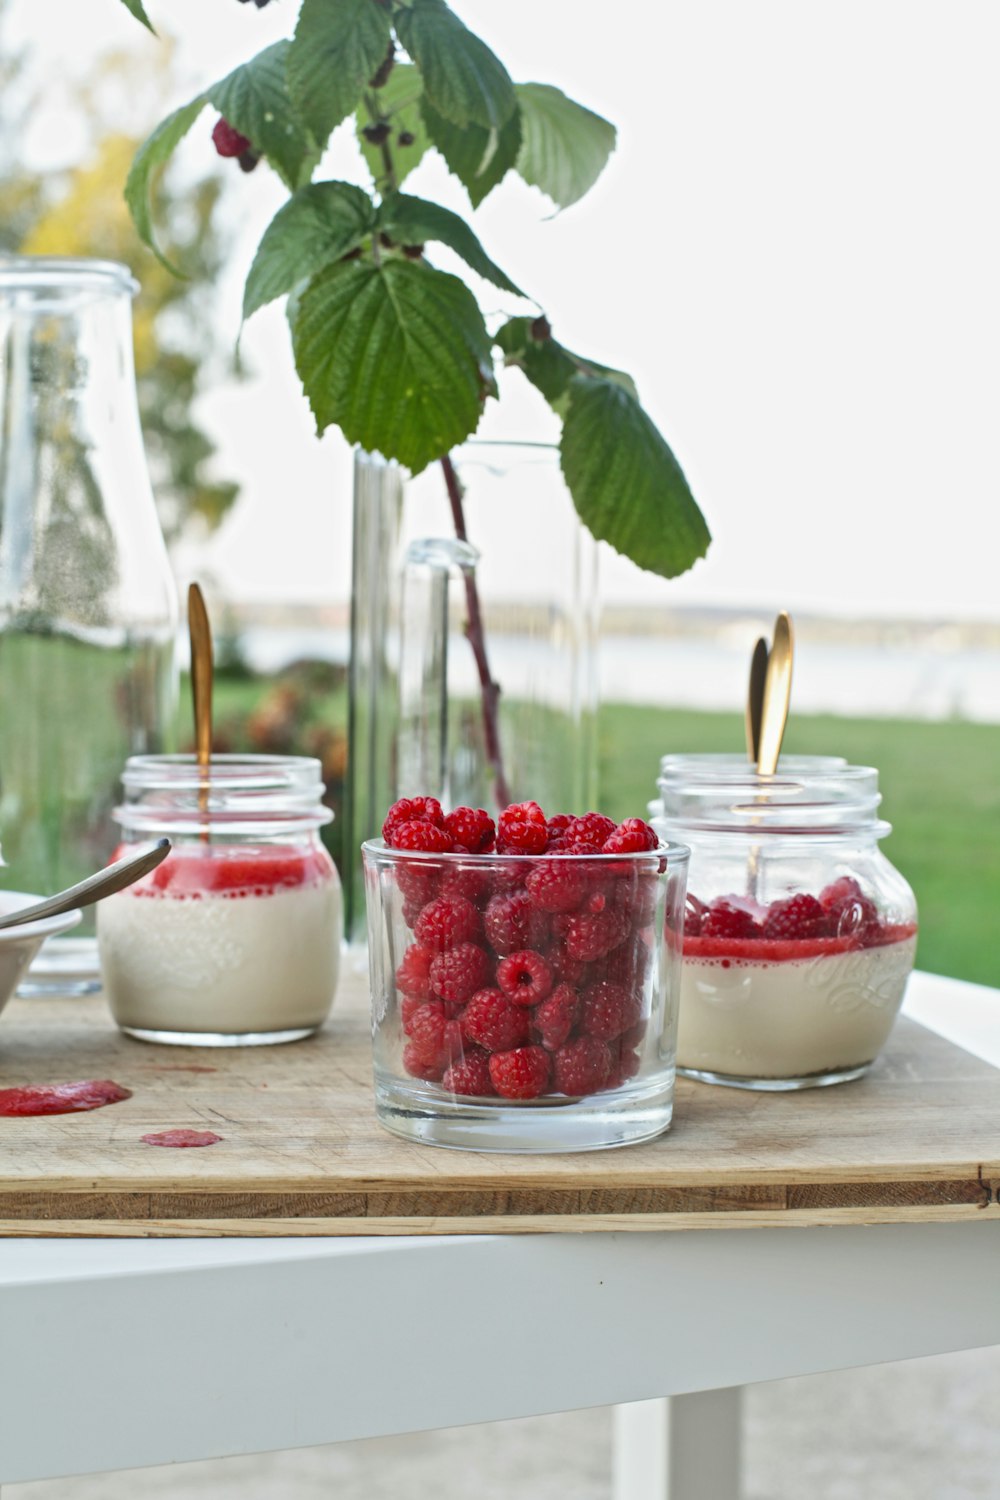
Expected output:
{"points": [[755, 698], [777, 696], [200, 632]]}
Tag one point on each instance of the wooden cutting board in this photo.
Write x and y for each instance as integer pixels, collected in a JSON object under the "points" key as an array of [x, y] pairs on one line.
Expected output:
{"points": [[302, 1152]]}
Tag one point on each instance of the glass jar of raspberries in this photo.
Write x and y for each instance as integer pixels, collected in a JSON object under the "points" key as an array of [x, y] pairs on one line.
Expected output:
{"points": [[524, 976], [799, 935]]}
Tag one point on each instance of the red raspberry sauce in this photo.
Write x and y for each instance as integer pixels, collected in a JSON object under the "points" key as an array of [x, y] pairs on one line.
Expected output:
{"points": [[181, 1138], [233, 871], [785, 950], [60, 1098]]}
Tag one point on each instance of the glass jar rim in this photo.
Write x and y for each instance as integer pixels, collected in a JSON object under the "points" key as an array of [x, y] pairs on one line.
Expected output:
{"points": [[248, 796], [230, 770], [64, 273], [671, 850], [819, 802]]}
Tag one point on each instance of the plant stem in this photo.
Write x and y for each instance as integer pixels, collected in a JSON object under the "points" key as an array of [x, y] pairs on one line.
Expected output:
{"points": [[490, 688], [477, 640]]}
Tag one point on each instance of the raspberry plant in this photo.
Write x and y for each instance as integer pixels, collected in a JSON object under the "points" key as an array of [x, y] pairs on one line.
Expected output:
{"points": [[390, 349]]}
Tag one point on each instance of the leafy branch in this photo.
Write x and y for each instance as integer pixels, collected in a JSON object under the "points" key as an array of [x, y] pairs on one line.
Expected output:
{"points": [[390, 349]]}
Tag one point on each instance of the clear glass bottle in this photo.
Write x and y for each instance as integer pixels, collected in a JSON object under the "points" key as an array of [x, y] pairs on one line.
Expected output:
{"points": [[799, 935], [417, 721], [235, 938], [88, 608]]}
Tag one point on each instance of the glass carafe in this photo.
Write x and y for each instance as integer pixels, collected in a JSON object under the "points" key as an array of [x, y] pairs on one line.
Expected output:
{"points": [[88, 611]]}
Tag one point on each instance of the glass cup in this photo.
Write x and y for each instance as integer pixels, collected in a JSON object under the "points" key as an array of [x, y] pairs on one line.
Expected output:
{"points": [[524, 1003], [235, 938], [799, 934]]}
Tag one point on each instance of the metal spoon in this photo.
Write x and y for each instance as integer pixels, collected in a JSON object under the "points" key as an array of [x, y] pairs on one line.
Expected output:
{"points": [[777, 696], [112, 878], [755, 698]]}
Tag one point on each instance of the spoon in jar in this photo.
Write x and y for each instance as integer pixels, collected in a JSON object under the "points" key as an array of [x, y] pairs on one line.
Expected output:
{"points": [[106, 882], [200, 632]]}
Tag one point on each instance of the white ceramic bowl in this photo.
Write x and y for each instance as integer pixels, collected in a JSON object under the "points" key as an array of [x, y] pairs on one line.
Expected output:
{"points": [[18, 945]]}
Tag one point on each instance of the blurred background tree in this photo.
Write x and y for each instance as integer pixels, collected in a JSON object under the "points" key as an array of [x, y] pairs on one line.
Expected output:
{"points": [[79, 211]]}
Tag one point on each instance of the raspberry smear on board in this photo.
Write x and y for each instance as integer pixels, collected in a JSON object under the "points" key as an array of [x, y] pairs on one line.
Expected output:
{"points": [[181, 1138], [60, 1098]]}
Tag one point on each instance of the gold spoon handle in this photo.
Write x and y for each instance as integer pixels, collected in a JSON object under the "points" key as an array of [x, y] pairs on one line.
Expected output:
{"points": [[755, 698], [777, 696], [201, 674]]}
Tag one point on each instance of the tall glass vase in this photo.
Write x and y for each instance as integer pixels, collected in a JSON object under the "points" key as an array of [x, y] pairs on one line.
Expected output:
{"points": [[437, 618], [88, 611]]}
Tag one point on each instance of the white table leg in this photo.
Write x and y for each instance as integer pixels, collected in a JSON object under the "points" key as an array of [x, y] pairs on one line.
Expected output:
{"points": [[679, 1448]]}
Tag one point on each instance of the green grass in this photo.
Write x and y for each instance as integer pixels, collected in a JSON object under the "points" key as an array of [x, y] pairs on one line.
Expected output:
{"points": [[941, 789]]}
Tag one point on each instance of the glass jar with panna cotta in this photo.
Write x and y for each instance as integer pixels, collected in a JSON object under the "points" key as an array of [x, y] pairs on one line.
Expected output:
{"points": [[799, 934], [235, 938]]}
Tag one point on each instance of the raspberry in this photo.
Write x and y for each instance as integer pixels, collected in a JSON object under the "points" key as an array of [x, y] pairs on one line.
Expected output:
{"points": [[410, 810], [417, 1066], [408, 1007], [694, 915], [422, 836], [413, 977], [520, 1074], [434, 1037], [581, 1066], [589, 937], [492, 1020], [554, 1019], [378, 133], [473, 828], [512, 922], [627, 965], [565, 969], [471, 1075], [466, 879], [418, 881], [849, 913], [461, 971], [799, 916], [525, 977], [635, 896], [522, 829], [723, 920], [590, 832], [446, 922], [555, 885], [609, 1009], [626, 1067], [556, 826], [227, 139], [631, 837]]}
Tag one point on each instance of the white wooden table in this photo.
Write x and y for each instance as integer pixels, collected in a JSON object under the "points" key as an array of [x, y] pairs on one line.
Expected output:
{"points": [[122, 1353]]}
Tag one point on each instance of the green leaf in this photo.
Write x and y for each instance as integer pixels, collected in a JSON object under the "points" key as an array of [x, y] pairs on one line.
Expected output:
{"points": [[317, 225], [150, 156], [463, 79], [626, 484], [479, 158], [338, 46], [411, 221], [139, 11], [399, 100], [564, 147], [255, 100], [549, 365], [396, 355]]}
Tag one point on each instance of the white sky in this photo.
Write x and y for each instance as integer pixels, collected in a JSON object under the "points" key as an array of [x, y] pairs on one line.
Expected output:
{"points": [[794, 251]]}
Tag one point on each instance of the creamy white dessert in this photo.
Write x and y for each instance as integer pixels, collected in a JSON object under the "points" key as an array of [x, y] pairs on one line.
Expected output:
{"points": [[225, 943], [788, 1017]]}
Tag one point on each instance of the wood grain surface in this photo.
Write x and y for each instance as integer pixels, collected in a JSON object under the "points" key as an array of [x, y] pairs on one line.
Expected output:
{"points": [[302, 1152]]}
